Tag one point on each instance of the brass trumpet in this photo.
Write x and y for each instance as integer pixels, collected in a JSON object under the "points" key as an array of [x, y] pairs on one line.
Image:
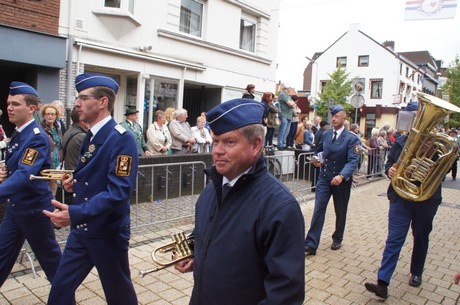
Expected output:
{"points": [[181, 247], [52, 174]]}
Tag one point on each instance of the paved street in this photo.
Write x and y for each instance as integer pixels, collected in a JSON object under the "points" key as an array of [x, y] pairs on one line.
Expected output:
{"points": [[332, 277]]}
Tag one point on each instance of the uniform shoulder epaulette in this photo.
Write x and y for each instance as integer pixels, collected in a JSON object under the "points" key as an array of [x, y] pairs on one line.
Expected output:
{"points": [[36, 130], [120, 129]]}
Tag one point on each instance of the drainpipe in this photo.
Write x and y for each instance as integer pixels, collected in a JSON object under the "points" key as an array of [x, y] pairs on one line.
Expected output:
{"points": [[70, 40]]}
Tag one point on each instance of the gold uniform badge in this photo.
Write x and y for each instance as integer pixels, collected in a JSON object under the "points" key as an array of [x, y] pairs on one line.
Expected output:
{"points": [[30, 156], [124, 163], [356, 149]]}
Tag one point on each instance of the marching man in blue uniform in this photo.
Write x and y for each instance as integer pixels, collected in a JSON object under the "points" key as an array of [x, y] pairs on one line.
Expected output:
{"points": [[338, 160], [102, 184], [249, 228], [404, 214], [27, 154]]}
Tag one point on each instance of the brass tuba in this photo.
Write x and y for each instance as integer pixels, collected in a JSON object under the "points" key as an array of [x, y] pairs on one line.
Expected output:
{"points": [[426, 157]]}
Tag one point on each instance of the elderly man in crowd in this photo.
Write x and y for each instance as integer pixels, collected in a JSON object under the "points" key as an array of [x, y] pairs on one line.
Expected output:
{"points": [[181, 133]]}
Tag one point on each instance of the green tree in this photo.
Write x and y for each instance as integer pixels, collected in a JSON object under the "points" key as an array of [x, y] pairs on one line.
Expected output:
{"points": [[339, 87], [452, 89]]}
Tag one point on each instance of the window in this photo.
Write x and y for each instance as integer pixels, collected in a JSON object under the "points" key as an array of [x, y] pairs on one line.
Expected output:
{"points": [[191, 13], [127, 5], [363, 61], [341, 62], [247, 35], [376, 88]]}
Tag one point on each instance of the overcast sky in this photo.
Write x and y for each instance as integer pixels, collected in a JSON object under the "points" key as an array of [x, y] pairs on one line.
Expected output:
{"points": [[309, 26]]}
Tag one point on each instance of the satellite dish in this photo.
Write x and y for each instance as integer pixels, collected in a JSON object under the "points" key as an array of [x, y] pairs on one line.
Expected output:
{"points": [[357, 101]]}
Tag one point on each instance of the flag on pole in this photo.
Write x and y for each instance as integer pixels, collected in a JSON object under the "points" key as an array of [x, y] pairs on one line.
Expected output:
{"points": [[430, 9]]}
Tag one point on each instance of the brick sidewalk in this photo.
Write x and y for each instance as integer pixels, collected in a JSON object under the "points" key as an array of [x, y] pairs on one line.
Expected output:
{"points": [[332, 277]]}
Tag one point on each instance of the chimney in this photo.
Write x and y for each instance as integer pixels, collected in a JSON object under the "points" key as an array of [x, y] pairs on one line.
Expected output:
{"points": [[389, 44]]}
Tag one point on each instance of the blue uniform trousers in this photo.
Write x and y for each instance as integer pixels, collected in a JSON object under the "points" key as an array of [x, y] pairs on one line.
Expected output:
{"points": [[109, 256], [419, 216], [39, 232], [341, 196]]}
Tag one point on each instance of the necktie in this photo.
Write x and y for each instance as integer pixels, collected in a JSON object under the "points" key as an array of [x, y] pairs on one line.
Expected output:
{"points": [[335, 137], [225, 188]]}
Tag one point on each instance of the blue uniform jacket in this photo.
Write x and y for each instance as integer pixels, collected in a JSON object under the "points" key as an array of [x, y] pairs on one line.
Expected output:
{"points": [[393, 157], [103, 182], [27, 154], [341, 158], [249, 247]]}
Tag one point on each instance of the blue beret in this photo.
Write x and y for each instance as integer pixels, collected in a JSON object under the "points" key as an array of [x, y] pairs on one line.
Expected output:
{"points": [[336, 108], [22, 88], [412, 106], [234, 114], [90, 80]]}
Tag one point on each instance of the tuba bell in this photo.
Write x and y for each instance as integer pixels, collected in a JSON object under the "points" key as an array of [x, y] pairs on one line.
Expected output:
{"points": [[426, 157]]}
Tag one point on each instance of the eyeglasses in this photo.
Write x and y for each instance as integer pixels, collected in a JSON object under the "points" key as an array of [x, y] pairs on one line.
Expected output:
{"points": [[50, 114], [84, 97]]}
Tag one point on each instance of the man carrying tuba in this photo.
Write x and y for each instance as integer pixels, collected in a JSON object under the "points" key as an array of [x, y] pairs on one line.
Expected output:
{"points": [[405, 213]]}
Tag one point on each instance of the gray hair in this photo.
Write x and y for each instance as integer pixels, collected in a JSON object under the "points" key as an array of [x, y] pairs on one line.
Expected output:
{"points": [[179, 112]]}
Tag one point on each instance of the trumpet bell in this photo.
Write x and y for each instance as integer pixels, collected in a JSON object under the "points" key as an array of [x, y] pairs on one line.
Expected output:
{"points": [[180, 249], [52, 174]]}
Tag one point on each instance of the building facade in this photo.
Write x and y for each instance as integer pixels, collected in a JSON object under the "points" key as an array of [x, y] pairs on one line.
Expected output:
{"points": [[191, 54], [386, 80], [32, 49]]}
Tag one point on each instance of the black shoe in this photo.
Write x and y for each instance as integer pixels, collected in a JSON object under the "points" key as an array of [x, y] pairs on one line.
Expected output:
{"points": [[309, 251], [336, 246], [377, 289], [415, 281]]}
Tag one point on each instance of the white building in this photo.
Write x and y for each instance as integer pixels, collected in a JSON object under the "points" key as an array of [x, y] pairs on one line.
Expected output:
{"points": [[386, 79], [191, 54]]}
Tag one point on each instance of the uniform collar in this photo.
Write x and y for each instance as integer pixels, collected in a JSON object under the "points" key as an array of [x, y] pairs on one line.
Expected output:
{"points": [[99, 125], [24, 126]]}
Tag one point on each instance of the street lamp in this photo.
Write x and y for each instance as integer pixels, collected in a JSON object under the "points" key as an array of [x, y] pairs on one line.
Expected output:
{"points": [[312, 61]]}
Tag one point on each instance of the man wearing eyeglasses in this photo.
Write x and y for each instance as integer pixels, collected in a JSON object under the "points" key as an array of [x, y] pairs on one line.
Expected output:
{"points": [[99, 215]]}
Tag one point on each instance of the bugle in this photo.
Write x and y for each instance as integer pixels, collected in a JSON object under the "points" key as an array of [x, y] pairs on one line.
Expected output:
{"points": [[52, 174], [181, 248]]}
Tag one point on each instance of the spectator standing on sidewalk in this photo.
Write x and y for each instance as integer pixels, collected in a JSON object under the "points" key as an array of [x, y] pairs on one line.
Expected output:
{"points": [[294, 123], [286, 106], [248, 243], [404, 214], [339, 159], [249, 92]]}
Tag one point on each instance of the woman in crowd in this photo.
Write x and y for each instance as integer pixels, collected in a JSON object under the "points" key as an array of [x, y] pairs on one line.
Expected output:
{"points": [[50, 115], [158, 136], [169, 113], [202, 136], [272, 116], [249, 92], [383, 148], [373, 154], [294, 122], [308, 137]]}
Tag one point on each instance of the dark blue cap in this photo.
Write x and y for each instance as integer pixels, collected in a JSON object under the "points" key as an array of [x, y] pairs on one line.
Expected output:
{"points": [[22, 88], [234, 114], [336, 108], [412, 106], [90, 80]]}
